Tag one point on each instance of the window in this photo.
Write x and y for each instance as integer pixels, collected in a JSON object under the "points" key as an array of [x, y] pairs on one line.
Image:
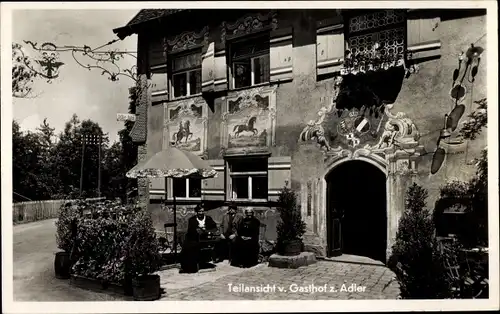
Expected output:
{"points": [[186, 74], [386, 28], [250, 62], [186, 188], [248, 178]]}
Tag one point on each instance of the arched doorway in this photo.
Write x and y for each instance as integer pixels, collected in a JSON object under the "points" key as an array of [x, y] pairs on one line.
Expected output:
{"points": [[356, 210]]}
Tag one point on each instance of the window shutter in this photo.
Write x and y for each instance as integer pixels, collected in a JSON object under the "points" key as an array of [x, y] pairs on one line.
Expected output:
{"points": [[158, 69], [281, 55], [208, 68], [220, 70], [157, 188], [422, 35], [159, 83], [213, 189], [279, 175], [330, 46]]}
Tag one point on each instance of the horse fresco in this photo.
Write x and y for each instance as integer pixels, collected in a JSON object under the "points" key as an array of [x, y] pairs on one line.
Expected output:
{"points": [[249, 127], [186, 127], [183, 132], [248, 120]]}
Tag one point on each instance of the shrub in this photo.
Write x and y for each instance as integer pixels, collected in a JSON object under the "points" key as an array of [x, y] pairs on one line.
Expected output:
{"points": [[290, 227], [66, 222], [116, 243], [478, 211], [142, 255], [416, 258], [473, 196]]}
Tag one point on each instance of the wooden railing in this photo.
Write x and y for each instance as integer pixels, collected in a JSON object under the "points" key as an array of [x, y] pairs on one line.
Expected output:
{"points": [[23, 212]]}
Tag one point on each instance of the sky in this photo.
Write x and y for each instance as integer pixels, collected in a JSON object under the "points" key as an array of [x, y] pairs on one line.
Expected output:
{"points": [[77, 90]]}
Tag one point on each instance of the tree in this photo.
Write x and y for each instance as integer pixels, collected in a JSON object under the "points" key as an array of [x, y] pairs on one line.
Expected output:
{"points": [[22, 75], [477, 121], [416, 258], [473, 194], [128, 147], [69, 157], [113, 172], [29, 165]]}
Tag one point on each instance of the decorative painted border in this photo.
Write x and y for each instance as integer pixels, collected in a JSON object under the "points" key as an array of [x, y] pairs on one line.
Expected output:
{"points": [[197, 101], [248, 24], [187, 40], [271, 126]]}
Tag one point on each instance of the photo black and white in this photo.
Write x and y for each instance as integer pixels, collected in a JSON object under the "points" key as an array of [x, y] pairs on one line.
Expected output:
{"points": [[248, 152]]}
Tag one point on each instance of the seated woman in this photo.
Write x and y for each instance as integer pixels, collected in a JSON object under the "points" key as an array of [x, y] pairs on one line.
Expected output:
{"points": [[246, 246], [198, 227]]}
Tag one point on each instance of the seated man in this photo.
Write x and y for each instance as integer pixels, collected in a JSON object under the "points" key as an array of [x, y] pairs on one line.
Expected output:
{"points": [[246, 246], [228, 232], [199, 226]]}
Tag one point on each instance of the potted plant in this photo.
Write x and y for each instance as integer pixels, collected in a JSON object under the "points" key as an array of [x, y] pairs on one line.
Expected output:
{"points": [[102, 243], [291, 227], [65, 236], [142, 258]]}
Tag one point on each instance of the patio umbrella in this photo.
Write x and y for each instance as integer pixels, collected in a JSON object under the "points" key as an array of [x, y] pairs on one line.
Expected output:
{"points": [[172, 163]]}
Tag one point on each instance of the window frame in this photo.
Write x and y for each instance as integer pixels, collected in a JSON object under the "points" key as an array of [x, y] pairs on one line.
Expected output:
{"points": [[188, 196], [348, 34], [250, 175], [186, 72], [251, 57]]}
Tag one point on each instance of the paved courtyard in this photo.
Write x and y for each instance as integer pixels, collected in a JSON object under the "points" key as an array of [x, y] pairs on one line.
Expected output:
{"points": [[347, 278], [34, 280]]}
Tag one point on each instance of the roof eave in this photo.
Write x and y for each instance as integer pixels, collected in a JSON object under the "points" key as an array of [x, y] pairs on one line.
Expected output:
{"points": [[124, 32]]}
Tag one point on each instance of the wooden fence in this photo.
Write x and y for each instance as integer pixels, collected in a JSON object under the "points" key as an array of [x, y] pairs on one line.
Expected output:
{"points": [[23, 212]]}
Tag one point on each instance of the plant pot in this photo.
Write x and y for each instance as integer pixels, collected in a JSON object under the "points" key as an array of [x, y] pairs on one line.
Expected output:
{"points": [[62, 265], [291, 248], [98, 285], [146, 288], [87, 283]]}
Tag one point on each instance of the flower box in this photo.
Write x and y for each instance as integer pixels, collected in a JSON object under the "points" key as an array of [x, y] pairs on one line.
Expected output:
{"points": [[97, 285]]}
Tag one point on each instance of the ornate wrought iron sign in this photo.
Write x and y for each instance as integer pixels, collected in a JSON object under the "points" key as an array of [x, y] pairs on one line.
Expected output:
{"points": [[47, 64]]}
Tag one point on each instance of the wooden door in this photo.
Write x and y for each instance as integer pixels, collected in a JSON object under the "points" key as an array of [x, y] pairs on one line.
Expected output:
{"points": [[334, 223]]}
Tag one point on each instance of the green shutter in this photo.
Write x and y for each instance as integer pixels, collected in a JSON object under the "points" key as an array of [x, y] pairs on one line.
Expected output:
{"points": [[208, 68], [157, 188], [330, 46], [220, 70], [158, 69], [214, 189], [279, 174], [281, 55], [423, 35]]}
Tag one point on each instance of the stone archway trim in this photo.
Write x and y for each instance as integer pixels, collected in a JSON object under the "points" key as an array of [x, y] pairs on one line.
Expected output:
{"points": [[375, 161]]}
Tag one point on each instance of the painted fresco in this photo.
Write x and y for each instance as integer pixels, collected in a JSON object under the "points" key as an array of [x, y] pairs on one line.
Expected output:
{"points": [[186, 124], [355, 128], [368, 129], [249, 120]]}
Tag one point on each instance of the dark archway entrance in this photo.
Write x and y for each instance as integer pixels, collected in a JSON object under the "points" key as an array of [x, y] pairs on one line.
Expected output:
{"points": [[356, 210]]}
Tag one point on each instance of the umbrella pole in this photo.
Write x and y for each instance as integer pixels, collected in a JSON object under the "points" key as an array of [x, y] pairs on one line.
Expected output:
{"points": [[175, 229]]}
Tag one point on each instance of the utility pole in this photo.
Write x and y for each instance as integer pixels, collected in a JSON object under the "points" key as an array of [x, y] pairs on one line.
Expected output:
{"points": [[99, 168], [82, 163], [92, 139]]}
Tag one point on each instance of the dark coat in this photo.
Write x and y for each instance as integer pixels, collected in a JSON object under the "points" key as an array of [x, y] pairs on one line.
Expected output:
{"points": [[193, 231], [246, 252], [190, 253]]}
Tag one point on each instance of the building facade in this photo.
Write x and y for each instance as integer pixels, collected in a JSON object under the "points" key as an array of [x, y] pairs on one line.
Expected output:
{"points": [[346, 107]]}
